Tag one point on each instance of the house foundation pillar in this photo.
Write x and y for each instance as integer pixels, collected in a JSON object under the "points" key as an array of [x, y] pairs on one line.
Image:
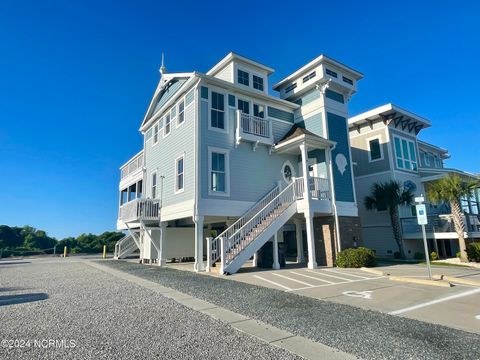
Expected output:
{"points": [[276, 264], [299, 238], [162, 260], [312, 261], [198, 266]]}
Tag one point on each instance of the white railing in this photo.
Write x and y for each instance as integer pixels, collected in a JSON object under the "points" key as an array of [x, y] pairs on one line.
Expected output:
{"points": [[140, 209], [240, 239], [254, 125], [319, 188], [237, 225], [132, 165], [125, 246]]}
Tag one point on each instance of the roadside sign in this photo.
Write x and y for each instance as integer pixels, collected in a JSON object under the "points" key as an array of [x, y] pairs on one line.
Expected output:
{"points": [[421, 214], [419, 199]]}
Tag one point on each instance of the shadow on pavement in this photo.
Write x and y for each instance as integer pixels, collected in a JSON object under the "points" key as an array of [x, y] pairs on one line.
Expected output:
{"points": [[21, 298]]}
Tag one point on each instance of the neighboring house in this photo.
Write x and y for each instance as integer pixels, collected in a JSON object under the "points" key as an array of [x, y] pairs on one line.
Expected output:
{"points": [[227, 166], [385, 147]]}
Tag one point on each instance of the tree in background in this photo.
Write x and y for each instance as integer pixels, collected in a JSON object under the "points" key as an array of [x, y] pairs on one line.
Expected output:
{"points": [[389, 196], [451, 189]]}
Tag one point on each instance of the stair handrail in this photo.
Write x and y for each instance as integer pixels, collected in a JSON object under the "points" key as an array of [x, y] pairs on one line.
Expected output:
{"points": [[215, 244], [247, 228]]}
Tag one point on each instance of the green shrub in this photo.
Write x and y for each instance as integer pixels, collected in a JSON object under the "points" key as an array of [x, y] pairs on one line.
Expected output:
{"points": [[356, 258], [458, 254], [397, 255], [473, 252], [434, 255], [419, 256]]}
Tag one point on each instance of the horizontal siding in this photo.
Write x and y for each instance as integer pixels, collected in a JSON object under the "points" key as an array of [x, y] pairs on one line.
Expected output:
{"points": [[167, 94], [162, 157], [308, 98], [279, 129], [280, 114], [261, 168], [314, 124]]}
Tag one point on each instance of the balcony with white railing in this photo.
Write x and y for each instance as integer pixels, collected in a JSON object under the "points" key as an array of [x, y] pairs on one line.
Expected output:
{"points": [[132, 167], [319, 188], [139, 210], [253, 129]]}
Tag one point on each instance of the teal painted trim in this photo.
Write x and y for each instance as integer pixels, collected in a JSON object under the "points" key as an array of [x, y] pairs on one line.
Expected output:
{"points": [[231, 100], [204, 92], [167, 94], [308, 98], [337, 131], [335, 96], [148, 134], [280, 114], [315, 124], [189, 98]]}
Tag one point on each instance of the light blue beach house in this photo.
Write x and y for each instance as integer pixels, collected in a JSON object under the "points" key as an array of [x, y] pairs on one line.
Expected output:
{"points": [[226, 167]]}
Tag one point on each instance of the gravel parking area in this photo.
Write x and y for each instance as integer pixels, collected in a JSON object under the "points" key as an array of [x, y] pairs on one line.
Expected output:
{"points": [[367, 334], [98, 316]]}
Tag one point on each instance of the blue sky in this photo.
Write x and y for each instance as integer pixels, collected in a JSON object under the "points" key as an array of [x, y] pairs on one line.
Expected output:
{"points": [[76, 79]]}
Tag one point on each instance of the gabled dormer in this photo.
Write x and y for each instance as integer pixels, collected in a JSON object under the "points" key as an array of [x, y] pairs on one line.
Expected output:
{"points": [[324, 73], [239, 70]]}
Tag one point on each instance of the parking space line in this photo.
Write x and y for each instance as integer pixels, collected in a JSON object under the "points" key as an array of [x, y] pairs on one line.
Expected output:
{"points": [[312, 277], [291, 279], [336, 277], [273, 283], [347, 273], [433, 302], [339, 283]]}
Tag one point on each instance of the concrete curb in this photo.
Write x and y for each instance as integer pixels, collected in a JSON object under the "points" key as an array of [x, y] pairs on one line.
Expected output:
{"points": [[457, 280], [372, 271], [272, 335], [421, 281]]}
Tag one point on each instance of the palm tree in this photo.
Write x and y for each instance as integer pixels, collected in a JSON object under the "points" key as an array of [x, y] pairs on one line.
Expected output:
{"points": [[389, 196], [451, 189]]}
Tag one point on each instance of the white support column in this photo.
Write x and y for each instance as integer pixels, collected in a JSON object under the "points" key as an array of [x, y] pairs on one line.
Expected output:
{"points": [[306, 173], [328, 158], [198, 220], [299, 236], [312, 259], [162, 260], [255, 259], [276, 264]]}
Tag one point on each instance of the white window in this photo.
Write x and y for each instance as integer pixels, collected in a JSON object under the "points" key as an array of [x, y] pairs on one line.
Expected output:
{"points": [[217, 111], [258, 82], [155, 133], [259, 111], [427, 159], [244, 106], [438, 162], [154, 185], [181, 113], [375, 152], [243, 77], [405, 154], [179, 174], [168, 127], [219, 178], [288, 171]]}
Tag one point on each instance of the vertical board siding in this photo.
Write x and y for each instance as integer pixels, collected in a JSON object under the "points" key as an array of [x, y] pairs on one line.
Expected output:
{"points": [[162, 157], [337, 131]]}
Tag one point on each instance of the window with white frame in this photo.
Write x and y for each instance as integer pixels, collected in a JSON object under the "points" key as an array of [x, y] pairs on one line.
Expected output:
{"points": [[257, 82], [244, 106], [154, 185], [438, 162], [405, 154], [259, 111], [243, 77], [179, 174], [155, 133], [217, 111], [168, 126], [181, 112], [375, 148], [219, 171]]}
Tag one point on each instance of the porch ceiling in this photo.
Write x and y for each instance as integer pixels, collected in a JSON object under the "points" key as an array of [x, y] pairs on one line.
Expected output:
{"points": [[297, 136]]}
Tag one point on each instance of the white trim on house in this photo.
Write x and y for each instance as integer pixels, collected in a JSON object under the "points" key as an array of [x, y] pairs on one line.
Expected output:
{"points": [[182, 101], [225, 110], [226, 152], [178, 190], [232, 56], [169, 116], [401, 138], [152, 186], [184, 209]]}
